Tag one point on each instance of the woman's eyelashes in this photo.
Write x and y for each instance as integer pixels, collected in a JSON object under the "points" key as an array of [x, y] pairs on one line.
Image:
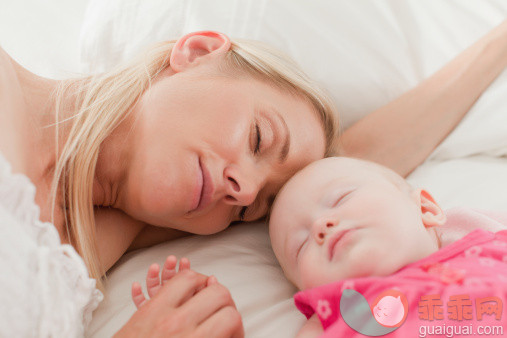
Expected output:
{"points": [[255, 211], [252, 212], [259, 139], [262, 137], [242, 213], [256, 138]]}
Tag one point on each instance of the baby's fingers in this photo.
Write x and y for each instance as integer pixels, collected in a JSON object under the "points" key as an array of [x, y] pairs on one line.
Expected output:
{"points": [[184, 264], [153, 280], [169, 269], [137, 295]]}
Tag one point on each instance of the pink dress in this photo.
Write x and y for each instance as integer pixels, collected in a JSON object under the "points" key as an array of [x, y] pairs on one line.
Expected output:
{"points": [[462, 284]]}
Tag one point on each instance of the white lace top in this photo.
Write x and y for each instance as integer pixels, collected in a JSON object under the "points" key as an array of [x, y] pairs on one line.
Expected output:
{"points": [[45, 290]]}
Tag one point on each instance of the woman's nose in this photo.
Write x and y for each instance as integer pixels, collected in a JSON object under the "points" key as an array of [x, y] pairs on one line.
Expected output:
{"points": [[240, 188], [321, 228]]}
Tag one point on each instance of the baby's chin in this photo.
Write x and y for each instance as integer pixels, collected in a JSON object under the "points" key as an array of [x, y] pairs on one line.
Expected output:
{"points": [[299, 281], [290, 277], [310, 284], [389, 267]]}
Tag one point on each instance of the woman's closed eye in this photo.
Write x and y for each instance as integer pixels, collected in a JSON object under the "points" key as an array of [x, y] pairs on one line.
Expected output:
{"points": [[263, 137], [252, 212], [256, 142], [259, 139], [242, 213], [256, 139]]}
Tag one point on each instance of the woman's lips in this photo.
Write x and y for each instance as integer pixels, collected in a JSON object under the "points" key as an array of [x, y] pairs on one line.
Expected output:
{"points": [[335, 239], [204, 190]]}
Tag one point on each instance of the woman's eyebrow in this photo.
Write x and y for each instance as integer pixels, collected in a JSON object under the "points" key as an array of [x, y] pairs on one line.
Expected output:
{"points": [[285, 135]]}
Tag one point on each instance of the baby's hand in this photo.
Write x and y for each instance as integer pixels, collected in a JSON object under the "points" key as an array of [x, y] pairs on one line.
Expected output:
{"points": [[153, 281]]}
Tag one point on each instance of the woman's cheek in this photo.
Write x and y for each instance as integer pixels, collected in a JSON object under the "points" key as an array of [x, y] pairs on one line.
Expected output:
{"points": [[214, 221]]}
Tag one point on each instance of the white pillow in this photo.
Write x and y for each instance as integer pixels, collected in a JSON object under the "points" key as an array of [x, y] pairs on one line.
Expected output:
{"points": [[40, 37], [364, 52]]}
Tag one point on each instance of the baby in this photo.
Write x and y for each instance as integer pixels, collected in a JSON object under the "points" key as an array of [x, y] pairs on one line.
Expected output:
{"points": [[346, 224]]}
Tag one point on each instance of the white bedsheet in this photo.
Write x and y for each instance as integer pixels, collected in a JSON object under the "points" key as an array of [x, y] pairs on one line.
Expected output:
{"points": [[365, 52]]}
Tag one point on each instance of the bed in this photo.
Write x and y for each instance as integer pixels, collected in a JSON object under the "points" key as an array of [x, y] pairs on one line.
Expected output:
{"points": [[364, 52]]}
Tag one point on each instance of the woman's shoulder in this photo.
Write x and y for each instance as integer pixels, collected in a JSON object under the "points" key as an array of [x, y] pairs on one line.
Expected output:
{"points": [[7, 73], [4, 60], [11, 107]]}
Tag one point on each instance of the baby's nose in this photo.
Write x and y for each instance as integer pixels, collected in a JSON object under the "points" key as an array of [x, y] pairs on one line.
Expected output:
{"points": [[321, 228]]}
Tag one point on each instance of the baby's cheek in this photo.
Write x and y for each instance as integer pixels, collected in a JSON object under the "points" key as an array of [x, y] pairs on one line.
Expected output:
{"points": [[305, 271], [310, 273], [318, 273], [358, 262]]}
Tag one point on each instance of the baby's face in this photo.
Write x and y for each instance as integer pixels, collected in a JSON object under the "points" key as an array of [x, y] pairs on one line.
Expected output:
{"points": [[343, 218]]}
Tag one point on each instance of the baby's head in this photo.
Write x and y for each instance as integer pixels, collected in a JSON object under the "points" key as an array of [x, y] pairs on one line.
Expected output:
{"points": [[343, 218]]}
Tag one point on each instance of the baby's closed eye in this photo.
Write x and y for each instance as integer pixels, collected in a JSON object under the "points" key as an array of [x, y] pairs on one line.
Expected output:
{"points": [[301, 247]]}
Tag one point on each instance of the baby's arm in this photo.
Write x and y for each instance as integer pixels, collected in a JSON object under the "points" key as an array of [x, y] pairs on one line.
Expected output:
{"points": [[312, 328]]}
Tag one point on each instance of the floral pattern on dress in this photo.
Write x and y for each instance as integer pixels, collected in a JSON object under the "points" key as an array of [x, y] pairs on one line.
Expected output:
{"points": [[445, 272], [485, 261], [324, 309], [348, 285], [473, 251]]}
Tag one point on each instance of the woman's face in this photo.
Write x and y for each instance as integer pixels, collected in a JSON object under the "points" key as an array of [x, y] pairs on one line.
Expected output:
{"points": [[205, 146]]}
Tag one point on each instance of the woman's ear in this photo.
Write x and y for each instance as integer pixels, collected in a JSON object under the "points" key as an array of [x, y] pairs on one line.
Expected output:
{"points": [[431, 213], [192, 48]]}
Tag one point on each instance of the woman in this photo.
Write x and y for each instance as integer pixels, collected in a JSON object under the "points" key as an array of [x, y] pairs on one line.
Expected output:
{"points": [[194, 135], [196, 165]]}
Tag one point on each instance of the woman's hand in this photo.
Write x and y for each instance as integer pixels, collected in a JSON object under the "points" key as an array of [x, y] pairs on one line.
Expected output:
{"points": [[185, 304], [154, 282]]}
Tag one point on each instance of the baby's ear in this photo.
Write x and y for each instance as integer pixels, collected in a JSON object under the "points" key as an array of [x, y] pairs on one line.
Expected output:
{"points": [[431, 213]]}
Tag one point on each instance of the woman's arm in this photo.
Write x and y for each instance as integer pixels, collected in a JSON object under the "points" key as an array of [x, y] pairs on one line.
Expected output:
{"points": [[403, 133], [118, 233], [151, 235]]}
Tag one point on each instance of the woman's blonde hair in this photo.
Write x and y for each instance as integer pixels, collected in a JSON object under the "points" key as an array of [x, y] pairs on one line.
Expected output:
{"points": [[104, 100]]}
